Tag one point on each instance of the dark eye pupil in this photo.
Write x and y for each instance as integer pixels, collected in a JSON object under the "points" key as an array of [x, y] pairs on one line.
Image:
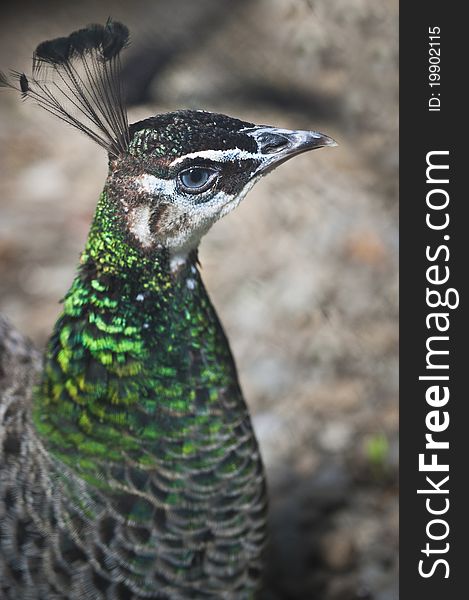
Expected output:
{"points": [[196, 178]]}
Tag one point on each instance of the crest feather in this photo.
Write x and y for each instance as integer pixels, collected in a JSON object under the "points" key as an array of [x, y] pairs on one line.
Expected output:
{"points": [[77, 78]]}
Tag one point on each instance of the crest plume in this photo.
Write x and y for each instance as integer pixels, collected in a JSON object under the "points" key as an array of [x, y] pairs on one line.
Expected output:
{"points": [[77, 78]]}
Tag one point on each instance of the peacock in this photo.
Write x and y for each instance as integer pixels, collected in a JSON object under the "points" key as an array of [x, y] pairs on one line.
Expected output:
{"points": [[129, 467]]}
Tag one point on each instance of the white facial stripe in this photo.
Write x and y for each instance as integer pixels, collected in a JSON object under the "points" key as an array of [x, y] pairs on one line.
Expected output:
{"points": [[154, 185], [139, 224], [220, 155]]}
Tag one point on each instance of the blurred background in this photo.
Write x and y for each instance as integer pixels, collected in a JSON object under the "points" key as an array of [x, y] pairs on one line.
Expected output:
{"points": [[303, 273]]}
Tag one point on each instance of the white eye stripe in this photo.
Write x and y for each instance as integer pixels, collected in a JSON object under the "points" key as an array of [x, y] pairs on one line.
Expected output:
{"points": [[220, 155], [155, 185]]}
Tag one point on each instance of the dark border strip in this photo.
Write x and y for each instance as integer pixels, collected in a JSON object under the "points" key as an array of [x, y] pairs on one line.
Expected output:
{"points": [[434, 355]]}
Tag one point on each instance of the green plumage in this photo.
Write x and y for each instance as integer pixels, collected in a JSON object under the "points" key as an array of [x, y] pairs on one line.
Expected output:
{"points": [[139, 381], [153, 476], [137, 364]]}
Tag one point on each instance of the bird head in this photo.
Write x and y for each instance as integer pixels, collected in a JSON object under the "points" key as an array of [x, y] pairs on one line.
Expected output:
{"points": [[171, 176], [185, 170]]}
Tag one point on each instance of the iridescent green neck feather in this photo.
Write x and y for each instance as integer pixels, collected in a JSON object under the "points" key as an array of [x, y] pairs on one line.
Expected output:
{"points": [[138, 368]]}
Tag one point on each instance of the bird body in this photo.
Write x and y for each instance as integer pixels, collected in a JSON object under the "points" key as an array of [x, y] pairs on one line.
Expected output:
{"points": [[142, 440], [132, 470]]}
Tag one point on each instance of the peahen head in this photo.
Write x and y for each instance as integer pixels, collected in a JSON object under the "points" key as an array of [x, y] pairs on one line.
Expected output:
{"points": [[185, 170], [170, 176]]}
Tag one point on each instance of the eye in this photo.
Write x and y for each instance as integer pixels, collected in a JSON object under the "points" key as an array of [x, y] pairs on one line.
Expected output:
{"points": [[197, 179]]}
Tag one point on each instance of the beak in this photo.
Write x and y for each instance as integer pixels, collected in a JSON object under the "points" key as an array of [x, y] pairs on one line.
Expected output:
{"points": [[279, 145]]}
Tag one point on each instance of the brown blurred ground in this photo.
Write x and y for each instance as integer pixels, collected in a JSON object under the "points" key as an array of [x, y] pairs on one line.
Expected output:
{"points": [[303, 273]]}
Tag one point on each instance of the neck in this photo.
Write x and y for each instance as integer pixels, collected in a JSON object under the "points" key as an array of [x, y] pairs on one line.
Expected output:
{"points": [[138, 368]]}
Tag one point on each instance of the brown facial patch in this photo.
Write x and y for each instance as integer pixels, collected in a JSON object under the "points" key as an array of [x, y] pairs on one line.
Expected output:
{"points": [[157, 217], [168, 221]]}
